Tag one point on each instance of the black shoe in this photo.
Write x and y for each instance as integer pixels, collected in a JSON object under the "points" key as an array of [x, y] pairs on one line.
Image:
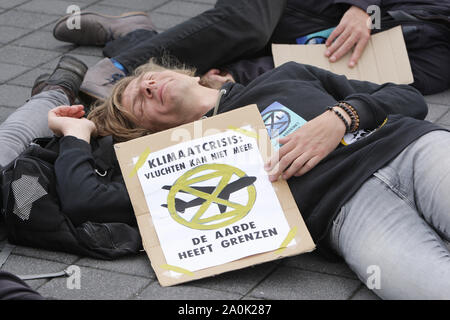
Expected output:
{"points": [[68, 76], [39, 84]]}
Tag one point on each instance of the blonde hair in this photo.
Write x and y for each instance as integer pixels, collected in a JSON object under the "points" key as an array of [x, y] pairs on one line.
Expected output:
{"points": [[111, 117]]}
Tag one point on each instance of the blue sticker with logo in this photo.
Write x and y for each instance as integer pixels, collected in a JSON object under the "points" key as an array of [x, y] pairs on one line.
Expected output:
{"points": [[280, 121], [316, 37]]}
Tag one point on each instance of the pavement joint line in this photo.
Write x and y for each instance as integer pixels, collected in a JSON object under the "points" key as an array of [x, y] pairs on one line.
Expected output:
{"points": [[445, 113], [79, 4], [137, 294], [326, 273], [18, 5], [130, 9], [356, 291], [15, 85], [161, 5], [197, 2], [248, 294]]}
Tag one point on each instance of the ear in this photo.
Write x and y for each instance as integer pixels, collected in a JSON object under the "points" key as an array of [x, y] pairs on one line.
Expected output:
{"points": [[212, 72]]}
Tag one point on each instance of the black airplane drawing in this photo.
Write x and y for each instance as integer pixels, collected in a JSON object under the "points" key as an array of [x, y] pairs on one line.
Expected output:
{"points": [[232, 187]]}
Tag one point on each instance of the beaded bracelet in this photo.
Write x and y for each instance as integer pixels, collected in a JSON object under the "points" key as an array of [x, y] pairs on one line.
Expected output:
{"points": [[351, 113], [347, 126]]}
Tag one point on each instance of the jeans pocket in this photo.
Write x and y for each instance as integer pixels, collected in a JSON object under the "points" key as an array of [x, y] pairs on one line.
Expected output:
{"points": [[336, 229]]}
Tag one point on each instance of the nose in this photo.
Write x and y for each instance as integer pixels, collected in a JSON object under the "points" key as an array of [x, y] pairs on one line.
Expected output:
{"points": [[147, 87]]}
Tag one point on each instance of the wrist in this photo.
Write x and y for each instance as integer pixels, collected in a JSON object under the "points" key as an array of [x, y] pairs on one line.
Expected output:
{"points": [[79, 132], [351, 113], [341, 119]]}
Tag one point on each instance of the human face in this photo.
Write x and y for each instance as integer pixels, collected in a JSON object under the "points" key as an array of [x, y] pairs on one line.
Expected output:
{"points": [[161, 100]]}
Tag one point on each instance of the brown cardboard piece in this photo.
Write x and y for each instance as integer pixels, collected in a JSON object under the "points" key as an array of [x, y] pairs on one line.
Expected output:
{"points": [[246, 116], [385, 58]]}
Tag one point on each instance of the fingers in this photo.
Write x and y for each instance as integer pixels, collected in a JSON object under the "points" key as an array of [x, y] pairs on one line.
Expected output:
{"points": [[352, 30], [277, 156], [359, 49], [296, 166], [294, 163], [344, 48], [336, 45], [336, 32], [75, 111], [310, 164]]}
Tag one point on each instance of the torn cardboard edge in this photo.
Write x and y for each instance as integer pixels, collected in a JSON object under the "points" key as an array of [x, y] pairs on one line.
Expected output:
{"points": [[242, 117], [385, 59]]}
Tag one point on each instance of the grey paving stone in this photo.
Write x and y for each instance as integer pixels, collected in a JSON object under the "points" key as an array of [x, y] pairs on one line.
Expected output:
{"points": [[290, 283], [314, 262], [11, 33], [211, 2], [183, 292], [185, 9], [96, 285], [239, 281], [436, 111], [62, 257], [88, 2], [7, 4], [87, 51], [43, 40], [26, 56], [26, 20], [52, 7], [131, 5], [5, 112], [27, 79], [20, 265], [9, 71], [136, 265], [442, 98], [13, 96], [165, 21], [106, 9], [88, 60], [365, 294], [444, 120]]}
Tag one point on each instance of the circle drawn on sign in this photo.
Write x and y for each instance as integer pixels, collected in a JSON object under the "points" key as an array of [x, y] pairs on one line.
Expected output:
{"points": [[276, 121], [218, 196]]}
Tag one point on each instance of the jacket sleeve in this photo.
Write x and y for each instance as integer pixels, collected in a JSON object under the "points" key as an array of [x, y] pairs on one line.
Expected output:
{"points": [[83, 196], [246, 70], [373, 102]]}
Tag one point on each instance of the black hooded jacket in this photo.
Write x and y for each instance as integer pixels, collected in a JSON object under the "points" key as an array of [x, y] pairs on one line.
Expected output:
{"points": [[305, 90]]}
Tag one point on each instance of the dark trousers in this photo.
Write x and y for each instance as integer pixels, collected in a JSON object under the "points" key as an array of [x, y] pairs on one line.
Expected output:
{"points": [[213, 37], [236, 35]]}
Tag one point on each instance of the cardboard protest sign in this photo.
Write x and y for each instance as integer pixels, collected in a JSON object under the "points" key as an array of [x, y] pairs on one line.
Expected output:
{"points": [[203, 201], [385, 58]]}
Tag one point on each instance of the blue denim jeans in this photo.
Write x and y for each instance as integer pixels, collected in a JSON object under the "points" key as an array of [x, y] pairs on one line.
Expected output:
{"points": [[396, 225], [27, 123]]}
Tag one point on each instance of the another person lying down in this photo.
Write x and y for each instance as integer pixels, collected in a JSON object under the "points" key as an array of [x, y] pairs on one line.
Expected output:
{"points": [[379, 199]]}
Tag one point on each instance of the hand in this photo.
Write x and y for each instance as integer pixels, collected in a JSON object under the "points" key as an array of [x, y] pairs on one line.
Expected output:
{"points": [[215, 79], [67, 120], [352, 31], [303, 149]]}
